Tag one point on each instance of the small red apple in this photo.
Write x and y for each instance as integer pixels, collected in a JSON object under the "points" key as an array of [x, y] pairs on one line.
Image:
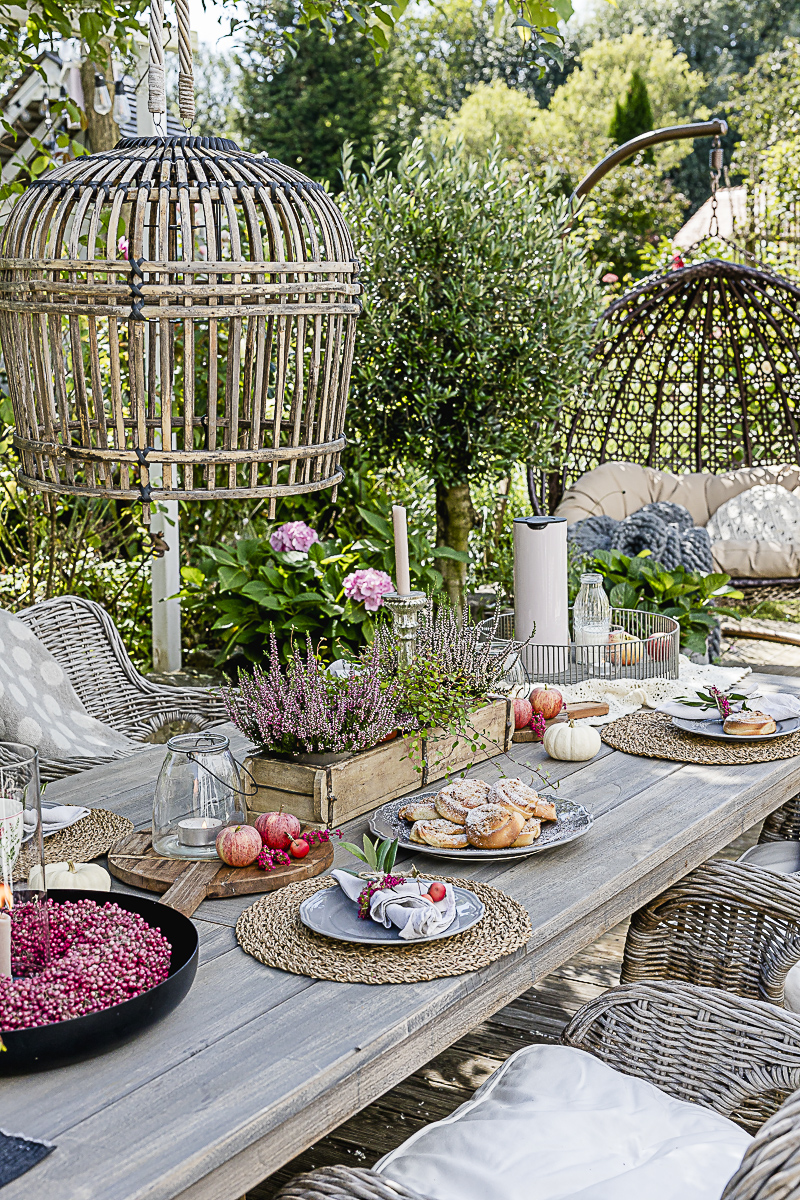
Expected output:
{"points": [[437, 891], [659, 646], [547, 701], [522, 713], [238, 845], [298, 848], [277, 829]]}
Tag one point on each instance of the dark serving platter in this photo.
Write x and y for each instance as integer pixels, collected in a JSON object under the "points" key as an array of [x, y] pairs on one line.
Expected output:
{"points": [[55, 1045]]}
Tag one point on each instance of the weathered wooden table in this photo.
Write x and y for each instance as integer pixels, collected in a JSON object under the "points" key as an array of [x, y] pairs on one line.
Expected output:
{"points": [[255, 1064]]}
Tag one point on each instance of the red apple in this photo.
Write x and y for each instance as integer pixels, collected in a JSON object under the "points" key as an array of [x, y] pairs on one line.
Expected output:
{"points": [[437, 892], [522, 713], [277, 829], [238, 845], [298, 848], [547, 701], [659, 646]]}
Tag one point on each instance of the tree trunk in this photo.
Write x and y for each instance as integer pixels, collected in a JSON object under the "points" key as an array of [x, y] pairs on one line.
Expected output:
{"points": [[102, 132], [455, 517]]}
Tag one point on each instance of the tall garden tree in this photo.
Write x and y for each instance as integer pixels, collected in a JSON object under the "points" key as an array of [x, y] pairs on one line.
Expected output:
{"points": [[633, 114], [477, 318]]}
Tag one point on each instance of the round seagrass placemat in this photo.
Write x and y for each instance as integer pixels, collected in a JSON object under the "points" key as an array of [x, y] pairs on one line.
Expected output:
{"points": [[271, 930], [652, 735], [91, 837]]}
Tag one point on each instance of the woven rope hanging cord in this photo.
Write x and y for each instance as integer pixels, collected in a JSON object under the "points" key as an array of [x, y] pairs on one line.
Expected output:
{"points": [[157, 92], [157, 100], [186, 73]]}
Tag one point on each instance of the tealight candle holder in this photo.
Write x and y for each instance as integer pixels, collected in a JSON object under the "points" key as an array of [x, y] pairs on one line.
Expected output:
{"points": [[405, 610], [198, 792]]}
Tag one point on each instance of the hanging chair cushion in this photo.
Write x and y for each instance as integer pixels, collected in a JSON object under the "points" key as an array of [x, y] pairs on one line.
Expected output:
{"points": [[762, 514], [663, 528], [554, 1122], [39, 706]]}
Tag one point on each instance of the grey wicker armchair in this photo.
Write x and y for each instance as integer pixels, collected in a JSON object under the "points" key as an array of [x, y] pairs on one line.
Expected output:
{"points": [[783, 825], [726, 925], [739, 1057], [85, 641]]}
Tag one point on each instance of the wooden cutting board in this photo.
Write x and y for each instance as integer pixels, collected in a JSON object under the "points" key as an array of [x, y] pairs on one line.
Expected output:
{"points": [[184, 884]]}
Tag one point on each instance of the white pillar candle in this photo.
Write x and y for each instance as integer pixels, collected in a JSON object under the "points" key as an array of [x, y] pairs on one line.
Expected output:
{"points": [[402, 573], [5, 945]]}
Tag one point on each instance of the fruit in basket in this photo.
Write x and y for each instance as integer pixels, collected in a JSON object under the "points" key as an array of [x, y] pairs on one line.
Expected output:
{"points": [[571, 742], [659, 645], [522, 713], [547, 701], [298, 847], [238, 845], [626, 649], [277, 829]]}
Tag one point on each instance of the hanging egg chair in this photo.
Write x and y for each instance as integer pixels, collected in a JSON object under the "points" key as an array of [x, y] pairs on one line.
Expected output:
{"points": [[177, 304], [697, 369]]}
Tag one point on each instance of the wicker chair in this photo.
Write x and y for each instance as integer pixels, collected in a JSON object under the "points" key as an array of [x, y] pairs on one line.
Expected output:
{"points": [[784, 824], [739, 1057], [85, 641], [725, 925]]}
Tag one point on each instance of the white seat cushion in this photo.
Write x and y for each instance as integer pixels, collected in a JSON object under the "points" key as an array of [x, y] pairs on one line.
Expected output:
{"points": [[554, 1123], [762, 514]]}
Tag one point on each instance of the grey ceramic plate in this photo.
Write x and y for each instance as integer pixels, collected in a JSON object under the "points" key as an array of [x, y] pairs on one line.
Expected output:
{"points": [[331, 913], [713, 729], [573, 820]]}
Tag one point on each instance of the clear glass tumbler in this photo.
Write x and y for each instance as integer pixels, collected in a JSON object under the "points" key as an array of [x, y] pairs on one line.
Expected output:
{"points": [[24, 925]]}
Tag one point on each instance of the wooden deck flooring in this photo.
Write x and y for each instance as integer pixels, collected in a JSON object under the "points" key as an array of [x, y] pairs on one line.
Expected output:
{"points": [[448, 1080]]}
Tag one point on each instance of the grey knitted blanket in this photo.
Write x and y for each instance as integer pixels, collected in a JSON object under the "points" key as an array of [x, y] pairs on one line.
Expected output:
{"points": [[666, 530]]}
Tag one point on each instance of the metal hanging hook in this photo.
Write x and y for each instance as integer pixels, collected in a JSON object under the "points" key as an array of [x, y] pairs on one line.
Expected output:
{"points": [[715, 162]]}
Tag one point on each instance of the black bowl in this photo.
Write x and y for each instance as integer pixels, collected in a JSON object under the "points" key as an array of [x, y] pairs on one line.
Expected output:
{"points": [[68, 1041]]}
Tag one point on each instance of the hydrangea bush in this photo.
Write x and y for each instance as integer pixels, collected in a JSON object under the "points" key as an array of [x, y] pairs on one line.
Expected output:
{"points": [[368, 587]]}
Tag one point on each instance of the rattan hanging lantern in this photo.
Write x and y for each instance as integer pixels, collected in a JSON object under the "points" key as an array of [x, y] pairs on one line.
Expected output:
{"points": [[178, 303]]}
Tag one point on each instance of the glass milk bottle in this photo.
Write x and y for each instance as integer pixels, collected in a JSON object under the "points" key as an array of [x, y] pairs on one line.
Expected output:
{"points": [[591, 612]]}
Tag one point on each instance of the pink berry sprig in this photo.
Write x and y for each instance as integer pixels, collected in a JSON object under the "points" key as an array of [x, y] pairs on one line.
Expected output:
{"points": [[538, 725], [376, 885], [315, 837], [268, 859]]}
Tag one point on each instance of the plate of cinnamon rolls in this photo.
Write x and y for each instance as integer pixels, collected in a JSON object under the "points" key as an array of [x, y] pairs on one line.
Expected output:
{"points": [[471, 818], [745, 726]]}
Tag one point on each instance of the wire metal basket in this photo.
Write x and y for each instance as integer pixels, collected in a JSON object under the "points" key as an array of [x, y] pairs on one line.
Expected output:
{"points": [[645, 646]]}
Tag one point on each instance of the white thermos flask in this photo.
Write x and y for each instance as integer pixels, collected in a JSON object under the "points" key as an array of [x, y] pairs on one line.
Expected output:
{"points": [[540, 581]]}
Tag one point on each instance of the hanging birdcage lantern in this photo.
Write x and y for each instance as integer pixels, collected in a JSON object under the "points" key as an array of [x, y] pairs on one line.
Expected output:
{"points": [[177, 303]]}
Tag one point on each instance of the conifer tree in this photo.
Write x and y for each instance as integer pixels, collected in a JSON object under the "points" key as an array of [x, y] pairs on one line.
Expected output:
{"points": [[634, 114]]}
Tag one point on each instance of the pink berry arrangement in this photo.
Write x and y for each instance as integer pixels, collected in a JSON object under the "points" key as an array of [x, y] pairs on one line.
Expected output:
{"points": [[101, 955]]}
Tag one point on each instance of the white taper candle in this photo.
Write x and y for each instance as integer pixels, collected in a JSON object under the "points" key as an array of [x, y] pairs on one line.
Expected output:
{"points": [[5, 945], [402, 574]]}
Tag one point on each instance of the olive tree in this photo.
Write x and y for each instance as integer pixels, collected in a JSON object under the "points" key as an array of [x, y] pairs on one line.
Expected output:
{"points": [[477, 318]]}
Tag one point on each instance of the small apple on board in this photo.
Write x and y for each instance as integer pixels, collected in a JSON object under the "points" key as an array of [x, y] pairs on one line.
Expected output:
{"points": [[238, 845], [436, 892], [547, 701], [277, 829]]}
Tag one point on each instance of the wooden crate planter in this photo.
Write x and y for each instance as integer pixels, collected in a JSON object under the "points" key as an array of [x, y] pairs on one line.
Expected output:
{"points": [[330, 793]]}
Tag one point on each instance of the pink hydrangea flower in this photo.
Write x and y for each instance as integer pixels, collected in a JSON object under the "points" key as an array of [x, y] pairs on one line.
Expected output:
{"points": [[367, 587], [294, 535], [122, 246], [610, 277]]}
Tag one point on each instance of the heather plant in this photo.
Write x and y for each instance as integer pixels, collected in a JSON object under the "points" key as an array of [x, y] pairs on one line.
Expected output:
{"points": [[300, 707]]}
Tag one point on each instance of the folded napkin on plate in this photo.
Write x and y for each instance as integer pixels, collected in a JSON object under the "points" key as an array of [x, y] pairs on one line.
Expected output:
{"points": [[55, 817], [779, 705], [404, 906]]}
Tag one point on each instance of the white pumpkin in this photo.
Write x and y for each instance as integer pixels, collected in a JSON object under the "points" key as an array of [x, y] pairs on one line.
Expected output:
{"points": [[571, 742], [84, 877]]}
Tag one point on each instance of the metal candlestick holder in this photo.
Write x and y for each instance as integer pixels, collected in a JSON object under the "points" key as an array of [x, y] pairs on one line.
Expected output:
{"points": [[405, 612]]}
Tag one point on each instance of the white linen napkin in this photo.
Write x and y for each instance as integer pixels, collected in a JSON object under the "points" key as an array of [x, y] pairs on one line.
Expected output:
{"points": [[54, 817], [404, 906], [779, 705]]}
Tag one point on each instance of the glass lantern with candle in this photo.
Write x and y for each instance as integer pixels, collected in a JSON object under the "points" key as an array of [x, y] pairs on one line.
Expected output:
{"points": [[24, 926], [197, 793]]}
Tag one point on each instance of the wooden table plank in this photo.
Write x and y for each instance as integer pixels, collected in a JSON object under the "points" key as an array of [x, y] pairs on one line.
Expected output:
{"points": [[256, 1064]]}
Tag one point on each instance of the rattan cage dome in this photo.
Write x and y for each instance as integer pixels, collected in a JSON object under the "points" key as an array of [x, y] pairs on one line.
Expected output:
{"points": [[695, 370], [178, 301]]}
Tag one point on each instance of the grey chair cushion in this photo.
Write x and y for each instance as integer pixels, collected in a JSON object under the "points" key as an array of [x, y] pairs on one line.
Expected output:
{"points": [[39, 706]]}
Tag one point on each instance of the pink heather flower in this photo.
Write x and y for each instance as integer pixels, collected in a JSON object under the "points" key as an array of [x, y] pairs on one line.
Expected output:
{"points": [[610, 278], [294, 535], [367, 587], [122, 246], [538, 726]]}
